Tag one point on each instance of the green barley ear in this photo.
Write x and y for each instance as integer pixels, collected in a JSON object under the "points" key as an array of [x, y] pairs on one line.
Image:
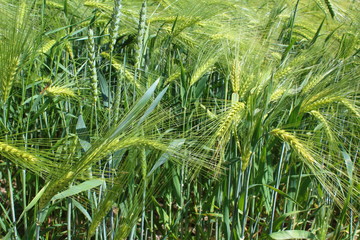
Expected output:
{"points": [[92, 65], [318, 103], [294, 143], [115, 24], [201, 70], [13, 152], [235, 76], [330, 8], [232, 117], [45, 48], [139, 51], [325, 123], [54, 187], [9, 77], [98, 5], [245, 159], [351, 106], [64, 92]]}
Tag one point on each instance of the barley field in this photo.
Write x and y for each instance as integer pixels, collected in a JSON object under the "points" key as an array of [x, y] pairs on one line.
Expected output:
{"points": [[179, 119]]}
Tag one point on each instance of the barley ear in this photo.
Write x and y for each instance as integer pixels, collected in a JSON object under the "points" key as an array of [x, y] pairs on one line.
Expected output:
{"points": [[54, 187], [139, 50], [60, 91], [92, 66], [201, 70], [115, 24], [295, 144], [9, 77], [330, 8], [235, 76]]}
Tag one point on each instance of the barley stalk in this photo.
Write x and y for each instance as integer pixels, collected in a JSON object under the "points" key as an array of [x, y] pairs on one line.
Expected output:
{"points": [[47, 46]]}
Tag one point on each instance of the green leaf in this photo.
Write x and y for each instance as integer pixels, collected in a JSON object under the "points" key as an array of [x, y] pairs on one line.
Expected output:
{"points": [[78, 188], [136, 109], [81, 131], [34, 201], [292, 234], [152, 106], [82, 209]]}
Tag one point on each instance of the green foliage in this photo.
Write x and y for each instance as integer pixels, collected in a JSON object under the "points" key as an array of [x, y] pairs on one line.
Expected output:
{"points": [[165, 119]]}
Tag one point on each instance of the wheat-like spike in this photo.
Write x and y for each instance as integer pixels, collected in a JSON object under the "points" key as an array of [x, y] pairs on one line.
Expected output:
{"points": [[232, 117], [278, 93], [69, 49], [294, 143], [200, 71], [115, 24], [245, 159], [302, 34], [47, 46], [54, 5], [143, 163], [289, 69], [313, 105], [235, 76], [7, 149], [181, 37], [320, 5], [347, 103], [92, 65], [173, 77], [60, 91], [326, 124], [330, 8], [139, 50], [7, 83], [99, 5], [21, 14], [311, 84], [54, 187], [245, 86], [173, 19]]}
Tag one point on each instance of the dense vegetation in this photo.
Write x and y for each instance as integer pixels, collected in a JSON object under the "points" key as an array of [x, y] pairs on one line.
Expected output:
{"points": [[167, 119]]}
